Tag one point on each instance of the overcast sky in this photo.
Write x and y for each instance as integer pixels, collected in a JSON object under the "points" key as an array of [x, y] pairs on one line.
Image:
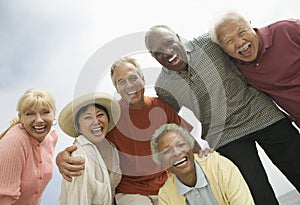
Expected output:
{"points": [[54, 45]]}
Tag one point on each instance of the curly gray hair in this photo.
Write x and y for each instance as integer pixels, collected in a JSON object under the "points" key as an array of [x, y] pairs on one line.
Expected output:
{"points": [[163, 130]]}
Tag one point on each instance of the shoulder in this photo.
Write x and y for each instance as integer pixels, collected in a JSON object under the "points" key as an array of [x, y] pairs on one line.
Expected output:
{"points": [[215, 161], [154, 101], [169, 185], [53, 135], [204, 40], [285, 23], [16, 135], [15, 143], [79, 152], [160, 102], [288, 25]]}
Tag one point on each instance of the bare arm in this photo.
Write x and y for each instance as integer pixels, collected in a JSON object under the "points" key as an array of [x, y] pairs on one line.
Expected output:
{"points": [[69, 166]]}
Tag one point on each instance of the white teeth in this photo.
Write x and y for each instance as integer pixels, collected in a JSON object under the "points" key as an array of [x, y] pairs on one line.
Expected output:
{"points": [[97, 131], [132, 92], [39, 127], [173, 57], [180, 161], [244, 47]]}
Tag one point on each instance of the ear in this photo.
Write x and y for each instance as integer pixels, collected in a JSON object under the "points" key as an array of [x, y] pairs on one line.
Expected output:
{"points": [[178, 37]]}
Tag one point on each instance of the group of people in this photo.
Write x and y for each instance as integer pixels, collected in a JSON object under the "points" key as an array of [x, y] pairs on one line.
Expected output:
{"points": [[138, 150]]}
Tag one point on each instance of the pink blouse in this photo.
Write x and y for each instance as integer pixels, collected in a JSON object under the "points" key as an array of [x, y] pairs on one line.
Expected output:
{"points": [[25, 165]]}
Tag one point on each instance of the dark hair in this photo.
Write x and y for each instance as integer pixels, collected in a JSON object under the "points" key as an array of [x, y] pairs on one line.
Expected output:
{"points": [[83, 109]]}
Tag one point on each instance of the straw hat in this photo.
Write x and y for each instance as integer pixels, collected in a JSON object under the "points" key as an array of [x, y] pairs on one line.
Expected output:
{"points": [[67, 115]]}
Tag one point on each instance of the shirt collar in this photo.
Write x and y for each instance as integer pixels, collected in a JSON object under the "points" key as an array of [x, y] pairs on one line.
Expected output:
{"points": [[266, 37], [200, 183], [83, 140]]}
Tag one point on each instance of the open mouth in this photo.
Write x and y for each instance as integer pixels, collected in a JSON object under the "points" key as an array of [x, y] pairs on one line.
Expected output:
{"points": [[245, 50], [97, 131], [173, 59], [132, 92], [39, 128], [181, 162]]}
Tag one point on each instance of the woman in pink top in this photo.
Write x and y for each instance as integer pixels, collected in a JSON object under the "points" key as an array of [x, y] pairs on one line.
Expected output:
{"points": [[26, 150]]}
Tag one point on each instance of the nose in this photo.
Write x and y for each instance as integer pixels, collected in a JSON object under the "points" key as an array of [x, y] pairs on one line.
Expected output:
{"points": [[96, 120], [239, 41], [39, 117], [176, 151], [168, 51]]}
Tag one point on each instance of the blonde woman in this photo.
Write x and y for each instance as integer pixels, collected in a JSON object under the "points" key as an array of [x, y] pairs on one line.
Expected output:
{"points": [[26, 150]]}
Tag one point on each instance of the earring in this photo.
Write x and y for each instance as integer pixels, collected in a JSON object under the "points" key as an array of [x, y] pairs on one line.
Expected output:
{"points": [[54, 122]]}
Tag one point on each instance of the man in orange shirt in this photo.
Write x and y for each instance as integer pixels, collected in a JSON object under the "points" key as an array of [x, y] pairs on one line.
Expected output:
{"points": [[140, 117]]}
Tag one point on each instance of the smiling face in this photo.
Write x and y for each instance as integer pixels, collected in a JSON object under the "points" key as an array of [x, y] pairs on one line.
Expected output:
{"points": [[176, 155], [93, 124], [130, 85], [38, 121], [238, 39], [166, 48]]}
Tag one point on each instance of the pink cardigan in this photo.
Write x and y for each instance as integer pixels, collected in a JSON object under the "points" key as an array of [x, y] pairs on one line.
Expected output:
{"points": [[25, 166]]}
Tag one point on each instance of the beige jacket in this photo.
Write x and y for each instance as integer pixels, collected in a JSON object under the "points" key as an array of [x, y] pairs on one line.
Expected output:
{"points": [[227, 184]]}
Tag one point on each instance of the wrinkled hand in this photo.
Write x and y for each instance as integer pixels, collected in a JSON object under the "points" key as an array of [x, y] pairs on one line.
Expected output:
{"points": [[205, 152], [69, 166]]}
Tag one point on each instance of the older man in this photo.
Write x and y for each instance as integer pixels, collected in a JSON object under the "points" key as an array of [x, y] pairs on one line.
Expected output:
{"points": [[197, 74], [269, 57], [140, 117]]}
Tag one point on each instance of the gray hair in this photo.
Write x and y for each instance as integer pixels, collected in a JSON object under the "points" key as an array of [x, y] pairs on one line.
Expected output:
{"points": [[223, 17], [126, 59], [156, 28], [163, 130]]}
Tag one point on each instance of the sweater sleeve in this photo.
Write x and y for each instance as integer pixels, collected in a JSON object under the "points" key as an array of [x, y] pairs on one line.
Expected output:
{"points": [[84, 189], [163, 198], [13, 149], [234, 185]]}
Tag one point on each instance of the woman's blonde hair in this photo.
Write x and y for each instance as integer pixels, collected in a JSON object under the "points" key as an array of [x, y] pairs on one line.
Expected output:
{"points": [[32, 98]]}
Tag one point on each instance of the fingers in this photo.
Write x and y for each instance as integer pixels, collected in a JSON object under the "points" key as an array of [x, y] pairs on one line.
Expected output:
{"points": [[69, 170], [205, 152], [69, 166], [66, 177], [71, 149]]}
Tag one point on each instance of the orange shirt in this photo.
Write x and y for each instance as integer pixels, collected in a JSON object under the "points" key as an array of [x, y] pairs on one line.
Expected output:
{"points": [[132, 136], [25, 165]]}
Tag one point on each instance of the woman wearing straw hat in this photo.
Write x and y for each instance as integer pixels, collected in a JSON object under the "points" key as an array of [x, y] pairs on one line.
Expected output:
{"points": [[26, 150], [89, 118]]}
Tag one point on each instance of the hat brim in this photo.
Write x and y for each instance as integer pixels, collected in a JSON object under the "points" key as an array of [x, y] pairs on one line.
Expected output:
{"points": [[67, 115]]}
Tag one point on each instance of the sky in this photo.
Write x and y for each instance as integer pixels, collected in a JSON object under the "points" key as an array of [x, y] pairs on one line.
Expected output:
{"points": [[66, 47]]}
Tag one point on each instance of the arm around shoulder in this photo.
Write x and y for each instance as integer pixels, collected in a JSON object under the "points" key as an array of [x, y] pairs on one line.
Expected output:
{"points": [[234, 185]]}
